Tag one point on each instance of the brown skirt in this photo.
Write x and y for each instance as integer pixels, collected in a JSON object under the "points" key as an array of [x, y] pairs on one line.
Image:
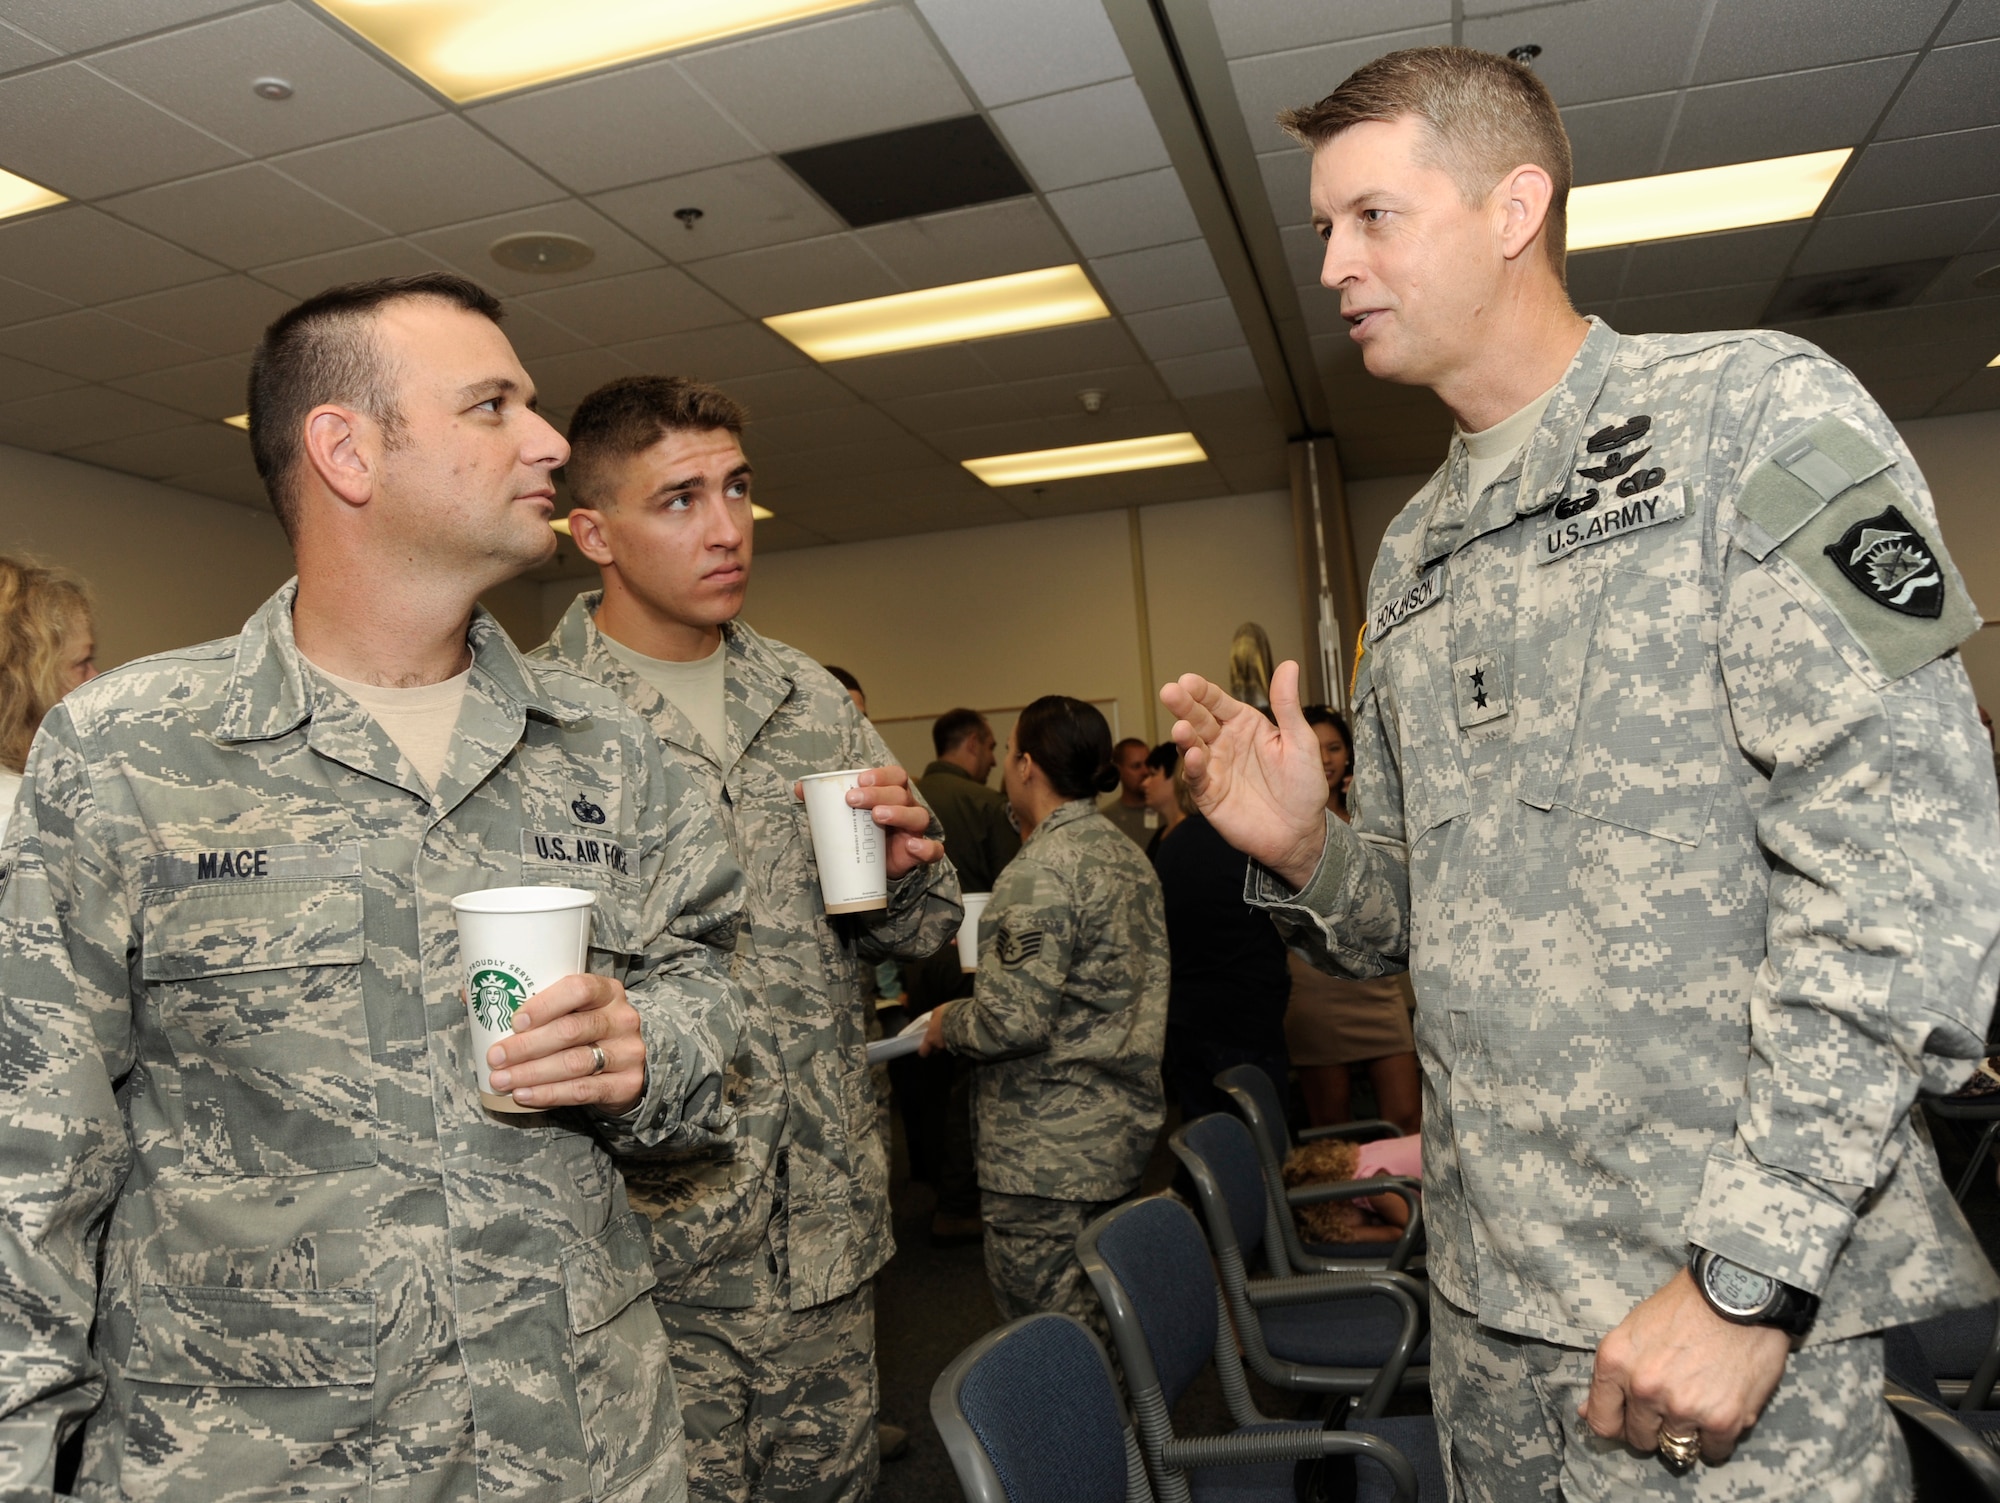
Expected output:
{"points": [[1336, 1022]]}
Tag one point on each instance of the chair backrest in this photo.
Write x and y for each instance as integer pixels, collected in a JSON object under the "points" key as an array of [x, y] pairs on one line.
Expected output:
{"points": [[1222, 1160], [1030, 1414], [1257, 1099], [1150, 1267]]}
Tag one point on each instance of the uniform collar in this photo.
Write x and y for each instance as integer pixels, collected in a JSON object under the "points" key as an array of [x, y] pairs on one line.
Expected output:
{"points": [[950, 769], [1065, 814]]}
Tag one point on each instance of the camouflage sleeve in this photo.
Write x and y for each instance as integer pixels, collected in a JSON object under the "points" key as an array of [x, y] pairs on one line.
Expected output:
{"points": [[1027, 943], [65, 929], [690, 1010], [1352, 916], [924, 908], [1880, 822]]}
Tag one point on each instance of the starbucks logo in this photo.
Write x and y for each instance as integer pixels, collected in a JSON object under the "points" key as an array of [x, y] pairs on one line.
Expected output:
{"points": [[496, 997]]}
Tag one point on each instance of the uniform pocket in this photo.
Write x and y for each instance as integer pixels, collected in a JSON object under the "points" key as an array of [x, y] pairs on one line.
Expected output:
{"points": [[250, 1392], [624, 1395], [259, 988]]}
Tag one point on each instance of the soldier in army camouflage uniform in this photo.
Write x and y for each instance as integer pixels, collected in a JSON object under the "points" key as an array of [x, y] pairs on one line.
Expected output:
{"points": [[765, 1247], [261, 1239], [1067, 1017], [1674, 802]]}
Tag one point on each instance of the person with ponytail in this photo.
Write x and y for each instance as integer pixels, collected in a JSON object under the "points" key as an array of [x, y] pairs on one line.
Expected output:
{"points": [[1067, 1018], [47, 648]]}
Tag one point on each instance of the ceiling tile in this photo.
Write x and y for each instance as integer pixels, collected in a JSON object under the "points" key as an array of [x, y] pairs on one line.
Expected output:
{"points": [[1048, 352], [1782, 116], [1083, 136], [1126, 213], [942, 411], [1123, 387], [1980, 392], [721, 354], [1217, 370], [234, 484], [777, 535], [987, 240], [88, 257], [203, 75], [1190, 329], [93, 347], [1321, 310], [1226, 415], [1924, 169], [1954, 88], [82, 415], [826, 428], [70, 27], [173, 451], [1283, 80], [1026, 47], [1021, 436], [1687, 312], [81, 134], [1894, 362], [565, 380], [1601, 49], [209, 388], [744, 206], [1305, 253], [360, 263], [531, 334], [244, 216], [1247, 27], [19, 50], [779, 394], [1620, 139], [18, 304], [616, 128], [1728, 259], [18, 380], [805, 274], [1288, 184], [1256, 470], [877, 457], [1159, 276], [616, 310], [421, 175], [467, 246], [1955, 282], [1595, 276], [1750, 37], [1890, 235], [1913, 396], [824, 82], [949, 367], [1972, 21], [220, 316]]}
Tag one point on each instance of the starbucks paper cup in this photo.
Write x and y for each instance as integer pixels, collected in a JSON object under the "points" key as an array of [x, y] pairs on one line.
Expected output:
{"points": [[512, 943], [851, 849], [968, 932]]}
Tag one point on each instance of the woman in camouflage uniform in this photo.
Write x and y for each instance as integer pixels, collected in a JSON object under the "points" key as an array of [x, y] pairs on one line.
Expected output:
{"points": [[1067, 1016]]}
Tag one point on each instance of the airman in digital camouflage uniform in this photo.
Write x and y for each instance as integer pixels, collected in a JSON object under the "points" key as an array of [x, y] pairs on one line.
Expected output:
{"points": [[1674, 802], [260, 1238], [1067, 1018], [765, 1247]]}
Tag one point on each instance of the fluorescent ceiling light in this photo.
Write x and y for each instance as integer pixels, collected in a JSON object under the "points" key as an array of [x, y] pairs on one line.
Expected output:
{"points": [[1993, 362], [1088, 459], [941, 315], [757, 514], [19, 196], [1702, 202], [241, 420], [471, 49]]}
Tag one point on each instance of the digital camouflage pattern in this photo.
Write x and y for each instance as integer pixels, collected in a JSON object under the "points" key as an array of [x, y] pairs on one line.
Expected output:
{"points": [[1696, 894], [1031, 1256], [1509, 1431], [807, 1133], [1068, 1014], [238, 1081]]}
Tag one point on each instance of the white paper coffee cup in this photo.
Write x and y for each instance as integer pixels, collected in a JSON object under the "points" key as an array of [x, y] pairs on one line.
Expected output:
{"points": [[968, 932], [852, 851], [512, 943]]}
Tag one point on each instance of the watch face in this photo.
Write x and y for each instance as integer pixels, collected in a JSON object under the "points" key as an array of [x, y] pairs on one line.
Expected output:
{"points": [[1737, 1288]]}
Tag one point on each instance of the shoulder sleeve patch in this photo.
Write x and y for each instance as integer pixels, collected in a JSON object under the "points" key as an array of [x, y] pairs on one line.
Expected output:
{"points": [[1797, 482]]}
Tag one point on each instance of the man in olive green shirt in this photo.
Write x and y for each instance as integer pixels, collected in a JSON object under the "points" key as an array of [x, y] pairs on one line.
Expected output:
{"points": [[1127, 807]]}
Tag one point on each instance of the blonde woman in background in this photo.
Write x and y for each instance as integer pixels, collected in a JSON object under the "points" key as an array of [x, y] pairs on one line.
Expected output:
{"points": [[47, 647]]}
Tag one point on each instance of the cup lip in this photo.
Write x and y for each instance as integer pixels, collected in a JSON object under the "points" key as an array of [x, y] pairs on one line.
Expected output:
{"points": [[845, 772], [502, 900]]}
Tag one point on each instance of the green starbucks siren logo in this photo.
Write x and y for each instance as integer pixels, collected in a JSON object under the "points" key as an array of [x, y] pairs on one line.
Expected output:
{"points": [[496, 997]]}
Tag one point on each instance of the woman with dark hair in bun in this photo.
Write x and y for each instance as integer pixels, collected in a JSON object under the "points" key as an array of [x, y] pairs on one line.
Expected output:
{"points": [[1067, 1017]]}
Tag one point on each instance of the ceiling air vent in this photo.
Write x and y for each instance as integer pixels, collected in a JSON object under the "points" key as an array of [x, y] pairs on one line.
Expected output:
{"points": [[922, 169], [1867, 289]]}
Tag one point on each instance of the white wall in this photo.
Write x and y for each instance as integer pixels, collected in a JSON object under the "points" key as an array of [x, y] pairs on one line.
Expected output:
{"points": [[1960, 457]]}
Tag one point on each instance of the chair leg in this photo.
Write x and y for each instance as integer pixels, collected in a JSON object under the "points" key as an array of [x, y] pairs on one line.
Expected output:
{"points": [[1978, 1158]]}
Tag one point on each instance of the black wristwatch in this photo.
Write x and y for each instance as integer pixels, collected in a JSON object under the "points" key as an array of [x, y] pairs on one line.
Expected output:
{"points": [[1750, 1298]]}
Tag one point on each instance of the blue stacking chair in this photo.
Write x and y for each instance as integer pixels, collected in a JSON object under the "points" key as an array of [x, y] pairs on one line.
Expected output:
{"points": [[1256, 1100], [1151, 1270], [1030, 1413]]}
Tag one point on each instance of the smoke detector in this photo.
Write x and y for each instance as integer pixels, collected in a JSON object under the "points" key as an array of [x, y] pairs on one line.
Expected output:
{"points": [[1093, 400]]}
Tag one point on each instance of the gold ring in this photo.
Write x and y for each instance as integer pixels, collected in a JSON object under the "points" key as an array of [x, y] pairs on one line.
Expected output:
{"points": [[1680, 1452], [598, 1055]]}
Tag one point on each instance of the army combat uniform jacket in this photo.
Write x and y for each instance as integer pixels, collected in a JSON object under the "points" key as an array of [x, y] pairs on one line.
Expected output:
{"points": [[807, 1139], [1672, 792], [1068, 1014], [258, 1234]]}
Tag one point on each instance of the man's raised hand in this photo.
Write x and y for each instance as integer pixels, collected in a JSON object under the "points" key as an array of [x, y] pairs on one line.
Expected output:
{"points": [[1261, 785]]}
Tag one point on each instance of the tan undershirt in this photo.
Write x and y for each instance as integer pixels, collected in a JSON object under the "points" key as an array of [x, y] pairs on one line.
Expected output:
{"points": [[1489, 451], [420, 721], [696, 689]]}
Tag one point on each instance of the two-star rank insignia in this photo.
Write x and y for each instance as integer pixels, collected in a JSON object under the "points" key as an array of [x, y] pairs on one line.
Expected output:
{"points": [[1888, 560], [1481, 682]]}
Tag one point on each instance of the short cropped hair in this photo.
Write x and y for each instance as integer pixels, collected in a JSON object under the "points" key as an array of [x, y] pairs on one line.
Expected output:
{"points": [[628, 416], [845, 679], [325, 350], [1118, 751], [953, 726], [1484, 116]]}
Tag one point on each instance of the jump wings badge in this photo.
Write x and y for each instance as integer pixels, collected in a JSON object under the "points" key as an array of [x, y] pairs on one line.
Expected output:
{"points": [[1887, 559]]}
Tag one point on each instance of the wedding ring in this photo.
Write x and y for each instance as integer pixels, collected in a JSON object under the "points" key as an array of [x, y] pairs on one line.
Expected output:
{"points": [[598, 1055], [1680, 1452]]}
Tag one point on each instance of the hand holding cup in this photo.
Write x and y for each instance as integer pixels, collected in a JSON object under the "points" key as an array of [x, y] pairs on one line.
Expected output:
{"points": [[551, 1059]]}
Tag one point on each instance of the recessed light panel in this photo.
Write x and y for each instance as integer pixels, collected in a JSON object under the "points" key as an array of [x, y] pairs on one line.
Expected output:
{"points": [[19, 196], [920, 169], [1702, 202], [1089, 459], [473, 49], [942, 315]]}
